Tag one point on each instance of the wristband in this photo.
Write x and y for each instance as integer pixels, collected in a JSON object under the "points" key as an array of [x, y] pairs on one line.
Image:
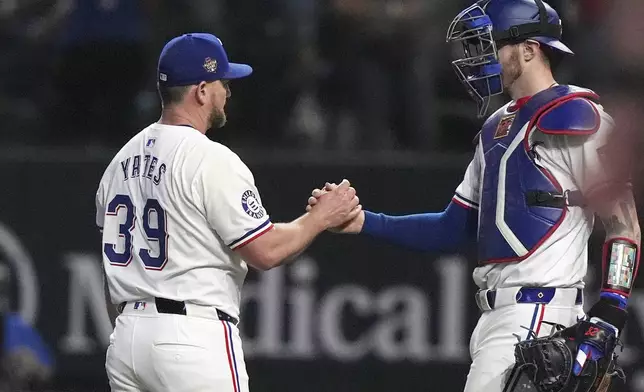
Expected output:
{"points": [[619, 265], [610, 313]]}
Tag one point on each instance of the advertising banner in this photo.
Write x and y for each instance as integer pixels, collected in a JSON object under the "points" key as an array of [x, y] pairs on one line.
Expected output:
{"points": [[351, 314]]}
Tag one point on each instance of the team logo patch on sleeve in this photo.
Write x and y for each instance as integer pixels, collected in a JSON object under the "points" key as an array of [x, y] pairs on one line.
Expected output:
{"points": [[252, 205]]}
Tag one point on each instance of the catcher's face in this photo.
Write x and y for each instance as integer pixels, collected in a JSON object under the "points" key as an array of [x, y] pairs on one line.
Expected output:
{"points": [[511, 65]]}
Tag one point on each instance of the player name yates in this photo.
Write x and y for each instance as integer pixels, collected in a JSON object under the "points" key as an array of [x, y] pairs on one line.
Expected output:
{"points": [[146, 166]]}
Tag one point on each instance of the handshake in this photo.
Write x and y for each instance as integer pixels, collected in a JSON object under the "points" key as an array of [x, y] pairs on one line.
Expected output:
{"points": [[337, 207]]}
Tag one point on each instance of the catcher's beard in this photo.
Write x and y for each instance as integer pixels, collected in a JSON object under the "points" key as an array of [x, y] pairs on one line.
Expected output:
{"points": [[512, 69], [216, 118]]}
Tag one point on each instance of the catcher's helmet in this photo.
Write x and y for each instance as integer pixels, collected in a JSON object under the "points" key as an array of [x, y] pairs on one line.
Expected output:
{"points": [[487, 25]]}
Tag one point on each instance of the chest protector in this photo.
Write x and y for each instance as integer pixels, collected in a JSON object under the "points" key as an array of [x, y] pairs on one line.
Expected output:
{"points": [[522, 204]]}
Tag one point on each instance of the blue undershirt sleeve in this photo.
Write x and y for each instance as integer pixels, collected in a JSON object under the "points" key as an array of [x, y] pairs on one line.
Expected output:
{"points": [[443, 231]]}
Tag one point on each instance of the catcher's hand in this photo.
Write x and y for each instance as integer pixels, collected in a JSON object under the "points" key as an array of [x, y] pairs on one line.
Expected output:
{"points": [[599, 341], [579, 358], [352, 226]]}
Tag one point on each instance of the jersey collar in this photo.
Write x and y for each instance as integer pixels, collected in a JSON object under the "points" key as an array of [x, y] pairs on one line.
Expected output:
{"points": [[518, 104]]}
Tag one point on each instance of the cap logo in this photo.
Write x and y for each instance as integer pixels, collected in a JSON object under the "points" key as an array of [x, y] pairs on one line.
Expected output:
{"points": [[210, 65], [163, 77]]}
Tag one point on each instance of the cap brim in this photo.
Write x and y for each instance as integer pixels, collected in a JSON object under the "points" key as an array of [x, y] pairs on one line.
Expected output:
{"points": [[553, 43], [236, 71]]}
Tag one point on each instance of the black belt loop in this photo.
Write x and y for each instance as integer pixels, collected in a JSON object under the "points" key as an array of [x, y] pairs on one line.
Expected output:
{"points": [[169, 306], [223, 316], [491, 298]]}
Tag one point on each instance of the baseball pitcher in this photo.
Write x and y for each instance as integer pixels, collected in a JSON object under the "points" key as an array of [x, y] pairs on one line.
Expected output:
{"points": [[545, 165], [181, 217]]}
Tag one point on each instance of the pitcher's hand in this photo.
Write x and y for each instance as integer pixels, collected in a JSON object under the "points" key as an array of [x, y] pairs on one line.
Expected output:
{"points": [[350, 226]]}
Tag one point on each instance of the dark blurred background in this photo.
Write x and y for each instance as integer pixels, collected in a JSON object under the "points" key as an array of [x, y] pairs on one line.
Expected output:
{"points": [[356, 75], [361, 89]]}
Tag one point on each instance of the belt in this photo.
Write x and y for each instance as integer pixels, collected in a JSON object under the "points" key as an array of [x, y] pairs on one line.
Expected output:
{"points": [[169, 306], [491, 299]]}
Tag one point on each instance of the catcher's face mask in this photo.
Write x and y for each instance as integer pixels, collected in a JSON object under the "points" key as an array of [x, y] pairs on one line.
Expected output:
{"points": [[478, 66]]}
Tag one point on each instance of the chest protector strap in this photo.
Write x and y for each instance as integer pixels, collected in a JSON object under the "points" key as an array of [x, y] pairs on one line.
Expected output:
{"points": [[554, 199]]}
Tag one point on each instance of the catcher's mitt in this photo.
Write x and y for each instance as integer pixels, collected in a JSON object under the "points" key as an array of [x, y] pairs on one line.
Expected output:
{"points": [[576, 359]]}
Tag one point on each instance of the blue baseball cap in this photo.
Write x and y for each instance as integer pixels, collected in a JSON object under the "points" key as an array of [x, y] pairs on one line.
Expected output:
{"points": [[196, 57]]}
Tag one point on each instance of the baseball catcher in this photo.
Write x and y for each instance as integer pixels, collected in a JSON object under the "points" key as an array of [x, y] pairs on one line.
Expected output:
{"points": [[545, 165]]}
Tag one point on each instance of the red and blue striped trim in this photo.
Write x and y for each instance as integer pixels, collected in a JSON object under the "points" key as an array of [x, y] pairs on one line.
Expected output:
{"points": [[230, 353], [251, 235], [537, 320], [464, 202]]}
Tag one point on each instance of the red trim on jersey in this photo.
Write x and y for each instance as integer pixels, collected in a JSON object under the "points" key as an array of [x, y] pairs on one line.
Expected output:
{"points": [[519, 103], [526, 145], [254, 237], [230, 359], [460, 203], [464, 201], [538, 328]]}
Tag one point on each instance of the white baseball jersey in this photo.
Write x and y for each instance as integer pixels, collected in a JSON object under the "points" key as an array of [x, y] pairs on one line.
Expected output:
{"points": [[561, 259], [173, 206]]}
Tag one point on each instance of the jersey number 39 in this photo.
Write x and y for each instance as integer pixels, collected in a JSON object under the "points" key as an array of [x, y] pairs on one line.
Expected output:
{"points": [[157, 234]]}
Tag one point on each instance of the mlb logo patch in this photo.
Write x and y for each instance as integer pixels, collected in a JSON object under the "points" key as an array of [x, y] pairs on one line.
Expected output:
{"points": [[503, 129], [138, 305], [150, 142]]}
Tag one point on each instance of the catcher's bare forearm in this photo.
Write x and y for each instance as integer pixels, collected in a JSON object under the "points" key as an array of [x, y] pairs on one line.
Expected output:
{"points": [[620, 218]]}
